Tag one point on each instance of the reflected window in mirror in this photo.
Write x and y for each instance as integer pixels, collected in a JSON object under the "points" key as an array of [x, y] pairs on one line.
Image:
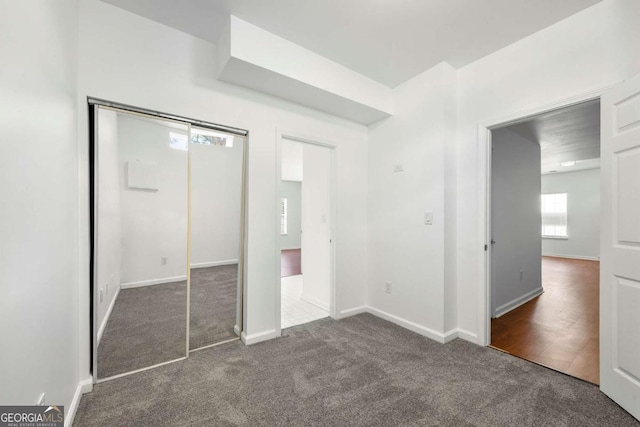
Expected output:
{"points": [[208, 137], [178, 141]]}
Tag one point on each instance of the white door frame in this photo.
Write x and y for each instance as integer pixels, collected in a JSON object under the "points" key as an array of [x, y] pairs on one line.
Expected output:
{"points": [[305, 139], [484, 197]]}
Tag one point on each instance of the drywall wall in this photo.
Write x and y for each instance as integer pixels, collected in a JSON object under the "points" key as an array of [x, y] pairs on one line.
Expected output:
{"points": [[528, 75], [129, 59], [291, 160], [583, 213], [316, 225], [108, 234], [291, 190], [216, 199], [39, 215], [154, 223], [411, 165], [516, 263]]}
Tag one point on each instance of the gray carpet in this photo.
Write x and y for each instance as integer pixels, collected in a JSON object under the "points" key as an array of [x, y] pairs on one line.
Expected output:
{"points": [[213, 305], [360, 371], [148, 324]]}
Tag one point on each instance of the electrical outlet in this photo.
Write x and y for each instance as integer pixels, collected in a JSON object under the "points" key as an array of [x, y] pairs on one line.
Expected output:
{"points": [[101, 295], [42, 400], [398, 168], [428, 218], [163, 260], [387, 287]]}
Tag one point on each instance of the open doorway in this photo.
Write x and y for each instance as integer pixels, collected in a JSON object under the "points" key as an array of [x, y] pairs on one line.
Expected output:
{"points": [[305, 232], [545, 229]]}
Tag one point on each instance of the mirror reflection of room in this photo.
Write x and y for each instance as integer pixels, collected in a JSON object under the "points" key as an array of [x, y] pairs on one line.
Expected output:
{"points": [[142, 214], [216, 203]]}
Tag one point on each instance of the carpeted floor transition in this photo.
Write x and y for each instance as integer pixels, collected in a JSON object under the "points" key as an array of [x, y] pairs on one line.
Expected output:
{"points": [[360, 371]]}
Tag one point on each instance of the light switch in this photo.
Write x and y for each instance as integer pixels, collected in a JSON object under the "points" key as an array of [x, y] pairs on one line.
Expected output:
{"points": [[428, 218]]}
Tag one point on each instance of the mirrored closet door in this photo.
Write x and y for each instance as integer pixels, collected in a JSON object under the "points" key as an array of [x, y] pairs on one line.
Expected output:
{"points": [[167, 237], [141, 244], [216, 163]]}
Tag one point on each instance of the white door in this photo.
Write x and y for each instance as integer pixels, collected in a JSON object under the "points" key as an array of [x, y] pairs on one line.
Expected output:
{"points": [[620, 246], [316, 248]]}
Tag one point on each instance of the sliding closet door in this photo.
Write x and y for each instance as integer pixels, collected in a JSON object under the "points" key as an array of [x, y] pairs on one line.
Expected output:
{"points": [[216, 163], [141, 241]]}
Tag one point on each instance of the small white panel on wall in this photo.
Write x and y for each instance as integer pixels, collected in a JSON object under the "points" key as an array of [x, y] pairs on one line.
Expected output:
{"points": [[142, 175]]}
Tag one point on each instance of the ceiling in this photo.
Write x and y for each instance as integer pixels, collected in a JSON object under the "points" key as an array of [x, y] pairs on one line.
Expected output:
{"points": [[389, 41], [564, 135]]}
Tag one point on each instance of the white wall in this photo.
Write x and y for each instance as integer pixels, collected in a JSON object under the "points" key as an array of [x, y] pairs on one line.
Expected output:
{"points": [[583, 213], [154, 223], [587, 51], [402, 249], [216, 198], [516, 274], [109, 229], [316, 225], [39, 215], [291, 160], [291, 190], [129, 59]]}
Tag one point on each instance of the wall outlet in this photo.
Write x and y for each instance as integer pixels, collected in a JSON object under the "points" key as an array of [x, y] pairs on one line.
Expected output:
{"points": [[521, 275], [101, 295], [42, 400], [163, 260], [387, 287], [398, 168]]}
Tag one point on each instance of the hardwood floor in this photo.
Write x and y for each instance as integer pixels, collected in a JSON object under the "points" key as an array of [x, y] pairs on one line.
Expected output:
{"points": [[290, 262], [560, 328]]}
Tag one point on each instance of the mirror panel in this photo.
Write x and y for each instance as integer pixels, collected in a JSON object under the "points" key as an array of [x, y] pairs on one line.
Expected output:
{"points": [[141, 242], [216, 164]]}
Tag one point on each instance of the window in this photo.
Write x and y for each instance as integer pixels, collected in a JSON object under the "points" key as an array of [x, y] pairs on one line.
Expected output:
{"points": [[554, 215], [283, 216]]}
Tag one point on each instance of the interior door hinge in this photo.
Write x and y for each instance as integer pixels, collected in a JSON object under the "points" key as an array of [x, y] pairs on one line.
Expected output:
{"points": [[485, 247]]}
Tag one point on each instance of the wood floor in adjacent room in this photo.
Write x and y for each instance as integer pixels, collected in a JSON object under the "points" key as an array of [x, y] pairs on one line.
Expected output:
{"points": [[558, 329], [291, 262]]}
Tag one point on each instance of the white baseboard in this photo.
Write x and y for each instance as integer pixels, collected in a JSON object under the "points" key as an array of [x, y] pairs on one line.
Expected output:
{"points": [[467, 336], [407, 324], [214, 263], [585, 257], [259, 337], [290, 248], [505, 308], [343, 314], [84, 386], [316, 302], [152, 282], [103, 325]]}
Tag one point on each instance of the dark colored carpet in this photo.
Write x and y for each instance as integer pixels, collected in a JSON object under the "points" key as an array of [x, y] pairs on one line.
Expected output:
{"points": [[214, 293], [148, 324], [360, 371]]}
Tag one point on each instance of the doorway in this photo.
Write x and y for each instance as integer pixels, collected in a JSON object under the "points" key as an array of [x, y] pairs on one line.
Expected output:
{"points": [[545, 239], [304, 231]]}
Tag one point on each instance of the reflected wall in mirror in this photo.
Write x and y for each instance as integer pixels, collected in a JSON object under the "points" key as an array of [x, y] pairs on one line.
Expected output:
{"points": [[216, 216], [141, 241]]}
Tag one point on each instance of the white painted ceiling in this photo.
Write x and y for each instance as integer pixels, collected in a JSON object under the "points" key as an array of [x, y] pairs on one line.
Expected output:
{"points": [[568, 134], [389, 41]]}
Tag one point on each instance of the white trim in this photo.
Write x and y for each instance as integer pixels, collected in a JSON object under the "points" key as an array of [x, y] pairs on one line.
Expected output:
{"points": [[292, 248], [152, 282], [467, 336], [103, 326], [214, 263], [407, 324], [84, 386], [259, 337], [313, 301], [343, 314], [505, 308], [450, 335], [585, 257], [483, 266], [236, 330]]}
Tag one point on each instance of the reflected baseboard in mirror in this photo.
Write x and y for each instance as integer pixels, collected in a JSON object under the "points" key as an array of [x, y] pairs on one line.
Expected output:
{"points": [[213, 305], [146, 327]]}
